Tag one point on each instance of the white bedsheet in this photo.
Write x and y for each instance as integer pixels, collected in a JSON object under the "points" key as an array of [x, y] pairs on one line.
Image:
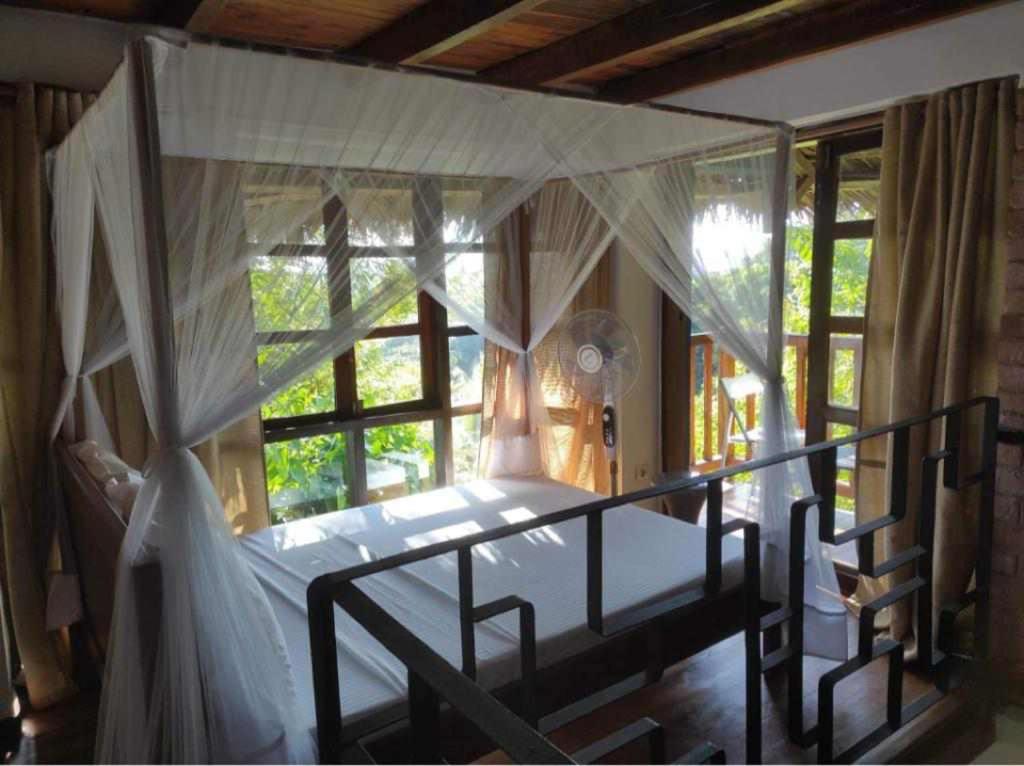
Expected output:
{"points": [[646, 557]]}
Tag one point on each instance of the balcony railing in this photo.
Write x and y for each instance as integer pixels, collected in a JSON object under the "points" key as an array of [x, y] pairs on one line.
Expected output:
{"points": [[709, 411]]}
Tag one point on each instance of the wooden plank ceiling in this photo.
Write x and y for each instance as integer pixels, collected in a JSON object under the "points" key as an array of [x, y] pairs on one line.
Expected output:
{"points": [[631, 50]]}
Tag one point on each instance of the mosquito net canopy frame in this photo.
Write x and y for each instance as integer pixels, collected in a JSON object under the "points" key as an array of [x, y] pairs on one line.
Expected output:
{"points": [[262, 212]]}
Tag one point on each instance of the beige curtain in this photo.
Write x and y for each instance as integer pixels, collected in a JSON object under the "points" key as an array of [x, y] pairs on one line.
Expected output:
{"points": [[934, 304], [30, 375], [576, 436]]}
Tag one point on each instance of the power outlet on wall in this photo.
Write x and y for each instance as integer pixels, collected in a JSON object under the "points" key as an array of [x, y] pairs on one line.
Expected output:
{"points": [[642, 472]]}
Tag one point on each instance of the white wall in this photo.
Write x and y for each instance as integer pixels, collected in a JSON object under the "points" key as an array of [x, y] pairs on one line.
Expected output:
{"points": [[75, 52], [863, 77], [637, 301]]}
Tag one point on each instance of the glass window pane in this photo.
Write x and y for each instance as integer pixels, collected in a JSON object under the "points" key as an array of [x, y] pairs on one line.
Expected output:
{"points": [[283, 206], [372, 277], [461, 213], [399, 460], [859, 185], [466, 362], [308, 395], [388, 371], [464, 282], [380, 214], [290, 293], [850, 267], [845, 357], [466, 446], [307, 476], [846, 477]]}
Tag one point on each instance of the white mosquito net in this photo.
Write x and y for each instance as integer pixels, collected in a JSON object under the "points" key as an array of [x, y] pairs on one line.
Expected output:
{"points": [[229, 179]]}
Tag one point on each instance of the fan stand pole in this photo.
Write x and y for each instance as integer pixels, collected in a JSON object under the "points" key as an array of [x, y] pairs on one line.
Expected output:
{"points": [[613, 469]]}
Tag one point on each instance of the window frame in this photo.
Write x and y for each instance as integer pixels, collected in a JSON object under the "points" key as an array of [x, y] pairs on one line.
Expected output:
{"points": [[431, 328], [821, 411]]}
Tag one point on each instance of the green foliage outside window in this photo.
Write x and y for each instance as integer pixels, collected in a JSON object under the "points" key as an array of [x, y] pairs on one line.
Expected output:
{"points": [[309, 476], [849, 293]]}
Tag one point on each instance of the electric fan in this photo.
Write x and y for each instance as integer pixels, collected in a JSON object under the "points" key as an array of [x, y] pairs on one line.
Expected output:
{"points": [[600, 358]]}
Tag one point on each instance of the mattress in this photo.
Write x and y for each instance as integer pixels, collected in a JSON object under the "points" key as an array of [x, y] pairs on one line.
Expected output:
{"points": [[647, 556]]}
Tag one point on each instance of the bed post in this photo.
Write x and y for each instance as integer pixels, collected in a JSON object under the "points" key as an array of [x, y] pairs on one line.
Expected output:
{"points": [[143, 110]]}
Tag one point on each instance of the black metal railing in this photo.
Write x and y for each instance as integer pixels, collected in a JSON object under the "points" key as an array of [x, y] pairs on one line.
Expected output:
{"points": [[432, 678]]}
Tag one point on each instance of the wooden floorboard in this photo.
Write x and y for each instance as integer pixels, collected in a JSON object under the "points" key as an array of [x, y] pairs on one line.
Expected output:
{"points": [[698, 700], [701, 700]]}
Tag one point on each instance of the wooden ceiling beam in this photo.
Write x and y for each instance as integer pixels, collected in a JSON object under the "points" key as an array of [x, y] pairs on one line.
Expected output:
{"points": [[436, 27], [796, 38], [193, 15], [650, 27]]}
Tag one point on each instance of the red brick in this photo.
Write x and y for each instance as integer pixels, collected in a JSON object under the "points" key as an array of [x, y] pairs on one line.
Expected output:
{"points": [[1008, 509], [1017, 191], [1011, 351], [1013, 301], [1011, 402], [1011, 419], [1004, 563], [1015, 275], [1012, 325], [1011, 455], [1011, 378], [1015, 250], [1009, 481], [1015, 223]]}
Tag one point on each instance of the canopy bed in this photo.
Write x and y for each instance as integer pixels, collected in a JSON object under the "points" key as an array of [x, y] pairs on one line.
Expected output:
{"points": [[173, 159]]}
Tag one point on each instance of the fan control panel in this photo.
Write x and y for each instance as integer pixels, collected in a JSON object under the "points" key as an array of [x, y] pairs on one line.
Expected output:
{"points": [[608, 426]]}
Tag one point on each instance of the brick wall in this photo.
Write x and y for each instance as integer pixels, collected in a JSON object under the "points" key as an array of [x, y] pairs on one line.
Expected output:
{"points": [[1008, 560]]}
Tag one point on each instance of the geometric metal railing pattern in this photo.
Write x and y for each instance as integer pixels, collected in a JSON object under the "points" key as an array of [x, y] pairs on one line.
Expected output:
{"points": [[433, 680], [918, 559]]}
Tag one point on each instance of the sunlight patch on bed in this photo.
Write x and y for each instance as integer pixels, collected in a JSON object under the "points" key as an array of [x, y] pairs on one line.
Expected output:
{"points": [[297, 535], [425, 504], [484, 491], [442, 534], [535, 536], [516, 515]]}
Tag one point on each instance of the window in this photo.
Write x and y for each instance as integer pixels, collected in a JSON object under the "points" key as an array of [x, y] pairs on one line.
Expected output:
{"points": [[846, 184], [400, 412]]}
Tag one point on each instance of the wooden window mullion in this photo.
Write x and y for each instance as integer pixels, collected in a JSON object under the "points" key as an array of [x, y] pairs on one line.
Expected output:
{"points": [[346, 401], [428, 228]]}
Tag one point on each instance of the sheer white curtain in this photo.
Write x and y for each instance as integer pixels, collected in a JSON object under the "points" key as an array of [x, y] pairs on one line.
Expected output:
{"points": [[257, 166], [701, 225], [91, 327], [565, 237], [244, 189]]}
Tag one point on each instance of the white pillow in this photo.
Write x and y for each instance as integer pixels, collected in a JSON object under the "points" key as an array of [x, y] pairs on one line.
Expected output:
{"points": [[103, 465], [122, 493]]}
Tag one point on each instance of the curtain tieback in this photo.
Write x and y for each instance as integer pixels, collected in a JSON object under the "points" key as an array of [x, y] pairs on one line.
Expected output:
{"points": [[157, 455]]}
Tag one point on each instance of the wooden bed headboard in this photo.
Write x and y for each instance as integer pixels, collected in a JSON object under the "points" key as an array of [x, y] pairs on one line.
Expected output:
{"points": [[97, 532]]}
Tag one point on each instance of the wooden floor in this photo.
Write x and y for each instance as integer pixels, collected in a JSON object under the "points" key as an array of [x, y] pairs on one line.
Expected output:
{"points": [[701, 700], [62, 734], [698, 700]]}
